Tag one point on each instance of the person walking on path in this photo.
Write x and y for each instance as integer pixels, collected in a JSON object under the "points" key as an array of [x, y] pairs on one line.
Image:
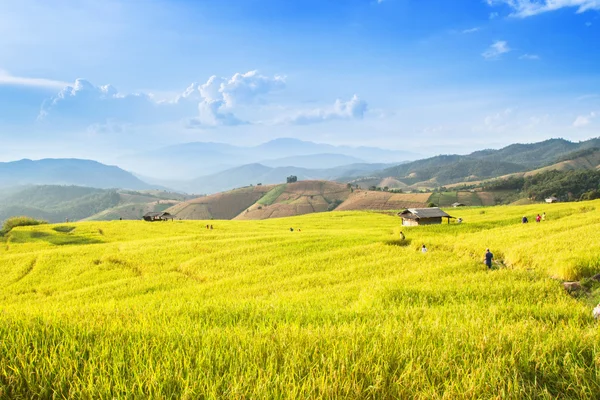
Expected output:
{"points": [[423, 249], [488, 258]]}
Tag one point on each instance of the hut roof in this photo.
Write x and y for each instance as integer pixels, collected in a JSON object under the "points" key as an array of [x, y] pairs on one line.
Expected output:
{"points": [[153, 214], [431, 212]]}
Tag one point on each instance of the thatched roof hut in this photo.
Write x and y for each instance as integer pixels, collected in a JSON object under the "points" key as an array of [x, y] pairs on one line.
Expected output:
{"points": [[157, 216], [423, 216]]}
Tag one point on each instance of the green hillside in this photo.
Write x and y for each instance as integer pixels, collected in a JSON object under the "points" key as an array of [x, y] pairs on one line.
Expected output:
{"points": [[57, 203], [338, 308], [447, 169]]}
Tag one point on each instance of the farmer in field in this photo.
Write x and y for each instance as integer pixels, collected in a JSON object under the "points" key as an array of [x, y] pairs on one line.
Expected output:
{"points": [[488, 258], [402, 237], [538, 218], [543, 216], [423, 249], [524, 219]]}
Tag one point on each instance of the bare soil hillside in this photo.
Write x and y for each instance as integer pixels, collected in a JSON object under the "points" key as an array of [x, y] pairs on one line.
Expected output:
{"points": [[298, 198], [371, 200], [224, 205]]}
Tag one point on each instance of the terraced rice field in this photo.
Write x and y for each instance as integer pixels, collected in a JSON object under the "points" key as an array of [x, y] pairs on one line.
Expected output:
{"points": [[338, 308]]}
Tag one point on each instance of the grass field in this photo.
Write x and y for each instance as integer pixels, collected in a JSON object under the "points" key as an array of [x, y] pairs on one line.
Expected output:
{"points": [[338, 308]]}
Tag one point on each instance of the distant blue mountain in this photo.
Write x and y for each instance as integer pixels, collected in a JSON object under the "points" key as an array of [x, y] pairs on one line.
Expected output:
{"points": [[67, 171], [191, 160], [252, 174]]}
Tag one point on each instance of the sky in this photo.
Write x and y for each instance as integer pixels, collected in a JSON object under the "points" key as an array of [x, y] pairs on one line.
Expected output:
{"points": [[102, 79]]}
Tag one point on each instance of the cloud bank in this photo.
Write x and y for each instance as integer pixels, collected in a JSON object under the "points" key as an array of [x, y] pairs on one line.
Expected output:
{"points": [[208, 105]]}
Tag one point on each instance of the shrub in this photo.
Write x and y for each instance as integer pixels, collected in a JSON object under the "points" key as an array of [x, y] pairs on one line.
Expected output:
{"points": [[13, 222], [334, 204]]}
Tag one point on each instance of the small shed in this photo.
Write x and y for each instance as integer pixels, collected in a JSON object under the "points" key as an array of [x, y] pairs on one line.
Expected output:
{"points": [[423, 216], [457, 205], [551, 199], [157, 216]]}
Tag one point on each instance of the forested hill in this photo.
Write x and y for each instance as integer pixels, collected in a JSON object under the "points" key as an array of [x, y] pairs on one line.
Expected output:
{"points": [[444, 169], [67, 171], [565, 185], [55, 203]]}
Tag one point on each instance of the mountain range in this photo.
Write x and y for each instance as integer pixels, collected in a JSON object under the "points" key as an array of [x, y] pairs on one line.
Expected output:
{"points": [[88, 189], [192, 160]]}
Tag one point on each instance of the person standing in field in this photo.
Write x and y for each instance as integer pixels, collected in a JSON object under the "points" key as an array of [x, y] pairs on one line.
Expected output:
{"points": [[423, 249], [538, 218], [524, 219], [543, 216], [488, 258], [402, 237]]}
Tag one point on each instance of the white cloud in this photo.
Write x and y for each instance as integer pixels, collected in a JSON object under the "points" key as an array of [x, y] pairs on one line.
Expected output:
{"points": [[496, 50], [354, 108], [588, 24], [8, 79], [471, 30], [220, 95], [584, 120], [85, 103], [212, 113], [245, 88], [532, 57], [207, 105], [494, 15], [528, 8]]}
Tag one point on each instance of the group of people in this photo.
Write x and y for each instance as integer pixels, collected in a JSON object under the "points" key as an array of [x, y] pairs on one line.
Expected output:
{"points": [[538, 218]]}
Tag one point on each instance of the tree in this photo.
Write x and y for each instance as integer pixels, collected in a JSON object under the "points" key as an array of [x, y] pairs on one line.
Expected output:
{"points": [[292, 179]]}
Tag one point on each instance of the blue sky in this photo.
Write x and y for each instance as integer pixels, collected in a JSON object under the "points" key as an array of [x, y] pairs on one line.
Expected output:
{"points": [[105, 78]]}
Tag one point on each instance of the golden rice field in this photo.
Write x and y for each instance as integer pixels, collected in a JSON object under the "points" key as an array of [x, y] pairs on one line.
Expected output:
{"points": [[338, 308]]}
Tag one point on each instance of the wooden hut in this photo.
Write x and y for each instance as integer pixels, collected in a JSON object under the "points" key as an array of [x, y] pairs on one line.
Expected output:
{"points": [[423, 216], [157, 216]]}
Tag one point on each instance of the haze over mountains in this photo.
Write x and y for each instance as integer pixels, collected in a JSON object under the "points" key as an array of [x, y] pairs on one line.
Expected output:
{"points": [[192, 160]]}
